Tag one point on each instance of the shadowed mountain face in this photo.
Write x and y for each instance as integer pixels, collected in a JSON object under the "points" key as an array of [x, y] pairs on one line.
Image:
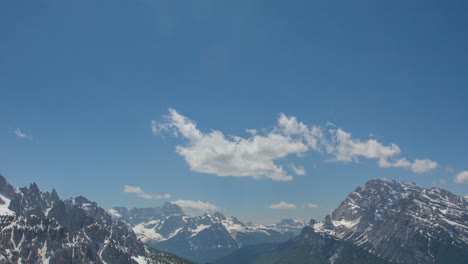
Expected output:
{"points": [[308, 248], [200, 238], [39, 227], [383, 221]]}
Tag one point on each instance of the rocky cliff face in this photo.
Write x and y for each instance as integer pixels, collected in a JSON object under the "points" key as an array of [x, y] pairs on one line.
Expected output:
{"points": [[403, 223], [39, 227]]}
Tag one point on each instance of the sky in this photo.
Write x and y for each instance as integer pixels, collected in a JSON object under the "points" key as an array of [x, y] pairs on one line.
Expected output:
{"points": [[260, 109]]}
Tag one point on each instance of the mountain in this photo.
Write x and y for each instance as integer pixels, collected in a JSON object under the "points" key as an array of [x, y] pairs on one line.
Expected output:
{"points": [[39, 227], [200, 238], [382, 222], [307, 248], [403, 223], [290, 225]]}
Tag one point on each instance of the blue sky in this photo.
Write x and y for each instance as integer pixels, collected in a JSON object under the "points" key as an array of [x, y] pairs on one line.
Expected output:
{"points": [[82, 81]]}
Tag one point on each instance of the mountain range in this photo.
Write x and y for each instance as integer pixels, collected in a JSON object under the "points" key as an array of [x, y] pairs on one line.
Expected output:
{"points": [[202, 238], [39, 227], [382, 222]]}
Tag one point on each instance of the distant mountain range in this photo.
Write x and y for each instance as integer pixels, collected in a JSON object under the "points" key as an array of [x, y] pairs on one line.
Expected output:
{"points": [[39, 227], [200, 238], [382, 222], [379, 223]]}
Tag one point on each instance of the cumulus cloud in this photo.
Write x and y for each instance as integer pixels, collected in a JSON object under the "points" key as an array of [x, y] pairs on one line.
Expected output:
{"points": [[462, 177], [214, 153], [282, 206], [425, 165], [259, 154], [142, 194], [312, 205], [313, 136], [196, 207], [21, 134], [348, 148]]}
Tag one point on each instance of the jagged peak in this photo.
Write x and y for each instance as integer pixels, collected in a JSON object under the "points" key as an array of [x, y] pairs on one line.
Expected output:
{"points": [[3, 181], [54, 195], [34, 188], [312, 222], [81, 200], [221, 216], [172, 208], [327, 223], [6, 188]]}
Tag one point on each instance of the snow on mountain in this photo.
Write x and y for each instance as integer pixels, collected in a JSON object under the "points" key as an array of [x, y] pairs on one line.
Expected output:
{"points": [[402, 222], [201, 238], [4, 204], [39, 227]]}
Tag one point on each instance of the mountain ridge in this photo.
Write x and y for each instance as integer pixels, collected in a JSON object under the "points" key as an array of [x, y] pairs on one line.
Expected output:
{"points": [[397, 222], [201, 238], [39, 227]]}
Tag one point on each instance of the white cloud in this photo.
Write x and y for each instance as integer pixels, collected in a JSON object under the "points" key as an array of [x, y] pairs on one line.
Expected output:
{"points": [[154, 127], [297, 170], [21, 134], [347, 148], [282, 206], [312, 205], [313, 137], [196, 207], [259, 154], [251, 131], [400, 163], [462, 177], [142, 194], [254, 156], [425, 165]]}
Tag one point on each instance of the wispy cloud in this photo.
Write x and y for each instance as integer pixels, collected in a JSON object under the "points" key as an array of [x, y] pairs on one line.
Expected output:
{"points": [[312, 205], [196, 207], [259, 154], [282, 206], [142, 194], [346, 149], [297, 170], [21, 134], [462, 177]]}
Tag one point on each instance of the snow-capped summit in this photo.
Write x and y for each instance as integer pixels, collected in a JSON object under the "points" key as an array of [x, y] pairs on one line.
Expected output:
{"points": [[201, 238]]}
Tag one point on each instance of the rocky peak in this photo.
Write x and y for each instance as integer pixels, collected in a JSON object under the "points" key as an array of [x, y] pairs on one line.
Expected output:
{"points": [[399, 219], [54, 196], [327, 223], [171, 209], [5, 188], [220, 217], [312, 222]]}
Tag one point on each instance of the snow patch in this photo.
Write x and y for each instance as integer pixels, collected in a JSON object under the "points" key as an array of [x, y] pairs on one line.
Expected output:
{"points": [[114, 213], [4, 206], [147, 234], [198, 230], [140, 259]]}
